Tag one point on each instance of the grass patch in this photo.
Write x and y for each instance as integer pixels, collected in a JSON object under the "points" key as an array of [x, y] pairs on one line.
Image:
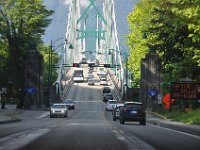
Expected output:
{"points": [[191, 117]]}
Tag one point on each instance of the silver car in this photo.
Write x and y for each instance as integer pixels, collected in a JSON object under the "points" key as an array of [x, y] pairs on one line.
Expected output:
{"points": [[110, 105], [69, 103], [116, 111], [58, 109]]}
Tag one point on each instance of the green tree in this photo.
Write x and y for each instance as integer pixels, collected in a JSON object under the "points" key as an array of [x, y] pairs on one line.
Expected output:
{"points": [[4, 62], [45, 53], [139, 20], [172, 27], [178, 42], [22, 22]]}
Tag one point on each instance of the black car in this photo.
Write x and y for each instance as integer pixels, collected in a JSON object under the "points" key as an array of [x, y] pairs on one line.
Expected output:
{"points": [[133, 111], [107, 96], [106, 90]]}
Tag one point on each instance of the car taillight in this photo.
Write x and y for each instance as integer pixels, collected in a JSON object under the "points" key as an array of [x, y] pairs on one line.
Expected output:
{"points": [[125, 110]]}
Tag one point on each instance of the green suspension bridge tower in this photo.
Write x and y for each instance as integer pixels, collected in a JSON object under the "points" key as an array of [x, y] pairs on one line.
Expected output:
{"points": [[92, 33]]}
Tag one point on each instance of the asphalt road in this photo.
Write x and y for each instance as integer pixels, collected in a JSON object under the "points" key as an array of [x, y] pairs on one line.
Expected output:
{"points": [[89, 127]]}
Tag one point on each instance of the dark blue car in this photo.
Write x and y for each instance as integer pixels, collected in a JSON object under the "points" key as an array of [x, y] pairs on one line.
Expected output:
{"points": [[133, 111]]}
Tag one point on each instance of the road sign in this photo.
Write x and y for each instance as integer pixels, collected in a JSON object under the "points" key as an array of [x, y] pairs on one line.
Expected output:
{"points": [[30, 90], [186, 91], [166, 100], [152, 92]]}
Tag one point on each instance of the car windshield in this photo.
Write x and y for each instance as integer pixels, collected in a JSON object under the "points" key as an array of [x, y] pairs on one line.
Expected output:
{"points": [[58, 106]]}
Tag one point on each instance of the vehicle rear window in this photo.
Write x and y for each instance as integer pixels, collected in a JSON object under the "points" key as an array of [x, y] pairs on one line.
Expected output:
{"points": [[108, 94], [68, 101], [112, 102], [106, 90], [133, 106]]}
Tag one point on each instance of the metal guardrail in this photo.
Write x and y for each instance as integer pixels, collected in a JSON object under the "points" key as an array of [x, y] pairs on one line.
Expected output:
{"points": [[67, 87], [113, 80], [116, 88]]}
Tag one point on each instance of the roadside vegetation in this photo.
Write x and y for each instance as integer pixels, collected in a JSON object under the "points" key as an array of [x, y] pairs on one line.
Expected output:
{"points": [[172, 28], [186, 116], [22, 24]]}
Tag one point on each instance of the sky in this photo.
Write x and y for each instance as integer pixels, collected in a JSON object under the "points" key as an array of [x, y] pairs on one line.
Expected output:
{"points": [[58, 26]]}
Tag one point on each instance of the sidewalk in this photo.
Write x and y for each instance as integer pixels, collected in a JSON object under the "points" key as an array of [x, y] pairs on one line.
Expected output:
{"points": [[8, 115], [11, 114]]}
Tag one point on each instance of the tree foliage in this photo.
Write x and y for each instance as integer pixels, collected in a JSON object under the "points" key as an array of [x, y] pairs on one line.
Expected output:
{"points": [[45, 53], [173, 28], [21, 24]]}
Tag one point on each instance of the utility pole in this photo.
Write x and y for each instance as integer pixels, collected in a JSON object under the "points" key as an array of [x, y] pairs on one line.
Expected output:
{"points": [[126, 77], [49, 72]]}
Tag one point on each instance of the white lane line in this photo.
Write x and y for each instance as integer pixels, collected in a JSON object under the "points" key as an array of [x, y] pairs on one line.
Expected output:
{"points": [[42, 115], [174, 130], [88, 101], [118, 135]]}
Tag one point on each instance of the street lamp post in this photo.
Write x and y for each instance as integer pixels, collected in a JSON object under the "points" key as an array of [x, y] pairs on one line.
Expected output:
{"points": [[49, 71], [50, 68], [111, 53], [71, 47], [126, 77]]}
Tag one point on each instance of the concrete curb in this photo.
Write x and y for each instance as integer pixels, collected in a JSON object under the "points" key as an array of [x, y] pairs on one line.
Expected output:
{"points": [[10, 121], [162, 121], [176, 126], [156, 114]]}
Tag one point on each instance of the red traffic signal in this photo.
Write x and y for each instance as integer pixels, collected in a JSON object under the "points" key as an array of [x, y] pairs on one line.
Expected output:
{"points": [[76, 65]]}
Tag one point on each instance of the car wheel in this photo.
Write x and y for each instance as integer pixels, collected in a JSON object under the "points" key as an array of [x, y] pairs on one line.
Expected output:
{"points": [[121, 120], [114, 119], [143, 122]]}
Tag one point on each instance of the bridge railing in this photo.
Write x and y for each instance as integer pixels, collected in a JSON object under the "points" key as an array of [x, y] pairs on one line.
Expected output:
{"points": [[68, 82], [117, 85]]}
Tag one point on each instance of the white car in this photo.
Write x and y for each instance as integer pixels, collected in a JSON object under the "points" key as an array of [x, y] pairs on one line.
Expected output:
{"points": [[59, 109], [110, 105], [103, 82]]}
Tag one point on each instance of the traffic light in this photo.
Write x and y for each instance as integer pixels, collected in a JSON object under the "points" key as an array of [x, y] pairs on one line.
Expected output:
{"points": [[91, 65], [107, 65], [76, 65]]}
